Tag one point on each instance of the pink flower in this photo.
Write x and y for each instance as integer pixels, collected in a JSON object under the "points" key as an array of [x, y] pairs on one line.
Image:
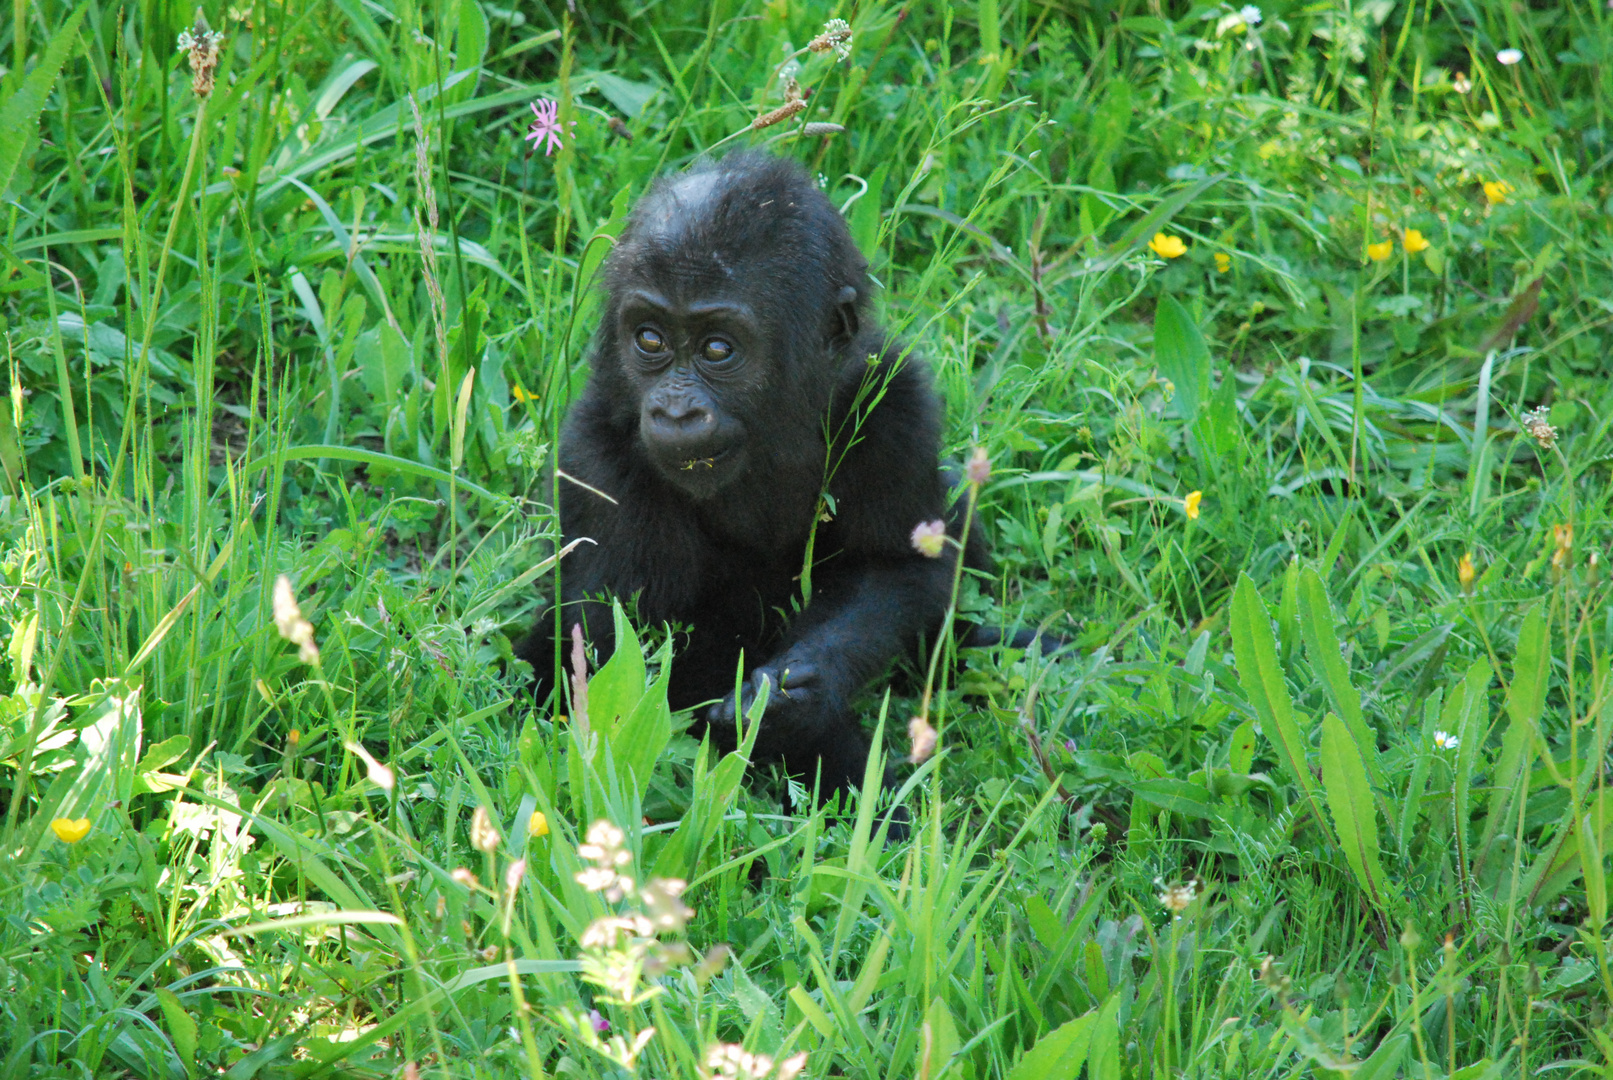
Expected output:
{"points": [[978, 470], [601, 1025], [929, 538], [546, 130]]}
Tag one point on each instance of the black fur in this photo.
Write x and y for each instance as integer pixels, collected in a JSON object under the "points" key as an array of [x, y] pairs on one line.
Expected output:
{"points": [[716, 473]]}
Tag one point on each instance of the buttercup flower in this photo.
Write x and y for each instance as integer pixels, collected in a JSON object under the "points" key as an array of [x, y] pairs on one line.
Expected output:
{"points": [[1381, 250], [70, 830], [1223, 261], [1191, 504], [1509, 56], [1465, 572], [1167, 247], [929, 538], [1414, 241], [546, 130], [537, 825], [1444, 740], [1496, 191]]}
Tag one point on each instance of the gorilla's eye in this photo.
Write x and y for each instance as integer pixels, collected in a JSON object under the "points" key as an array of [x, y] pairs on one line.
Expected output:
{"points": [[649, 341], [717, 350]]}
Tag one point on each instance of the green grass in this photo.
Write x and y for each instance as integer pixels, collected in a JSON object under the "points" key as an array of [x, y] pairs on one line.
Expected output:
{"points": [[299, 329]]}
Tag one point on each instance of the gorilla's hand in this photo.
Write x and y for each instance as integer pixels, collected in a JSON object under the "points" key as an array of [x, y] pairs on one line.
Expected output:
{"points": [[799, 702]]}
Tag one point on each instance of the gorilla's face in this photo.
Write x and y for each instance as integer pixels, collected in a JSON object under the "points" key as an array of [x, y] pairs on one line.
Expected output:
{"points": [[700, 365]]}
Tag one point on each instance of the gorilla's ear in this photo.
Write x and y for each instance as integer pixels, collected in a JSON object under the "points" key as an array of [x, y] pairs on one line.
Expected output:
{"points": [[846, 310]]}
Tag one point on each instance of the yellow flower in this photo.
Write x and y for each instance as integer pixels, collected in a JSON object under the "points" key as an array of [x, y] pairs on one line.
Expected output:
{"points": [[1223, 261], [1496, 191], [1381, 250], [520, 393], [537, 825], [1464, 571], [1167, 247], [1414, 242], [1191, 504], [70, 830]]}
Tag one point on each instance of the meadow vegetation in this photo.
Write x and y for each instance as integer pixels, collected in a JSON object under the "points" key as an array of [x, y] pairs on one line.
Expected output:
{"points": [[1286, 333]]}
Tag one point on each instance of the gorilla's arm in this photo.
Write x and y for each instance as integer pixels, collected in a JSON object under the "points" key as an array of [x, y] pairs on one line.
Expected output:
{"points": [[875, 596]]}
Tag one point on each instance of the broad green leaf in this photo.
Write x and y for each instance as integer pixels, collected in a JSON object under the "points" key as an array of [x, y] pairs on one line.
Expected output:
{"points": [[1255, 649], [1181, 356], [1218, 426], [1316, 623], [1467, 716], [714, 791], [1526, 697], [20, 111], [637, 743], [1178, 796], [990, 28], [812, 1011], [615, 689], [1349, 797], [1422, 759], [865, 215], [470, 45], [938, 1040], [1384, 1062], [1567, 860], [628, 96], [181, 1027], [1241, 747], [1103, 1052], [1059, 1054], [1471, 726]]}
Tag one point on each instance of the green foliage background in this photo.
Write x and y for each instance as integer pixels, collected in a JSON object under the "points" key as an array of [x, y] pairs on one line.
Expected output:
{"points": [[1329, 526]]}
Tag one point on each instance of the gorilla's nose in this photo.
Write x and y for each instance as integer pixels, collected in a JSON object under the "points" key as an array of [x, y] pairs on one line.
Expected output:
{"points": [[682, 419]]}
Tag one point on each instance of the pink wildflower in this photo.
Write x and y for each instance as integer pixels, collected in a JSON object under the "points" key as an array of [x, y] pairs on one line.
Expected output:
{"points": [[546, 130]]}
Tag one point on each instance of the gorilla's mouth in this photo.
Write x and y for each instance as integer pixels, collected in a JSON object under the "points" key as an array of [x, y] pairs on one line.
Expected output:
{"points": [[701, 464]]}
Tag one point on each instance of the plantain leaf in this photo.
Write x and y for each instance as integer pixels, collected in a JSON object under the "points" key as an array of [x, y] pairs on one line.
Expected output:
{"points": [[1349, 797], [1255, 649], [20, 111], [1059, 1054], [1526, 697], [1316, 622], [1181, 356]]}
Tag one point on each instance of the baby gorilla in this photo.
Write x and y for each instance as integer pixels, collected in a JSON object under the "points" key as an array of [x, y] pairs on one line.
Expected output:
{"points": [[745, 418]]}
